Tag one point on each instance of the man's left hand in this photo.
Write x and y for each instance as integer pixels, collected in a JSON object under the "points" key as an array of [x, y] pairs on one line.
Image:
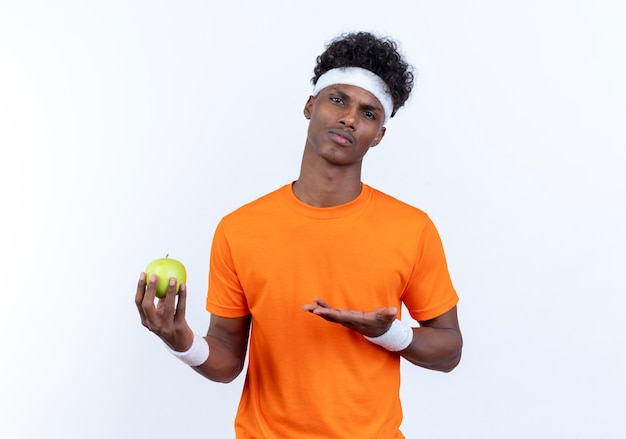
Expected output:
{"points": [[371, 324]]}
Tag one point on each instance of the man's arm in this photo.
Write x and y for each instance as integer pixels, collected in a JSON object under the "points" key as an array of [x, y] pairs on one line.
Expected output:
{"points": [[228, 344], [436, 344], [227, 338]]}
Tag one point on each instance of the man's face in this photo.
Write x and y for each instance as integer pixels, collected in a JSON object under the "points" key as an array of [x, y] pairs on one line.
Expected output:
{"points": [[345, 122]]}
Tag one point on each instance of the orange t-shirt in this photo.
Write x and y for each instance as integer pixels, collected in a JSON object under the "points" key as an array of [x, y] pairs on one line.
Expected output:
{"points": [[309, 378]]}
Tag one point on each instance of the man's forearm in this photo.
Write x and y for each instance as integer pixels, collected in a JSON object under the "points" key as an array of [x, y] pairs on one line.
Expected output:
{"points": [[221, 365], [228, 343], [435, 348]]}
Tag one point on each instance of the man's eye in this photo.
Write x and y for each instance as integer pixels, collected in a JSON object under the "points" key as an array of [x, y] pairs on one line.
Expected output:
{"points": [[336, 100], [370, 115]]}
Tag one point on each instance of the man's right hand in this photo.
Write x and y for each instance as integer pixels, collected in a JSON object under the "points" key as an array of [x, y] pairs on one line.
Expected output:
{"points": [[166, 318]]}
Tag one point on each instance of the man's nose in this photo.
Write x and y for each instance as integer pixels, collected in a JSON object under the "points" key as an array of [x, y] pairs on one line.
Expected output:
{"points": [[349, 118]]}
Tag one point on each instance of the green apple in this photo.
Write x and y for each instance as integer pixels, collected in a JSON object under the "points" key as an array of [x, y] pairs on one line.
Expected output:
{"points": [[166, 268]]}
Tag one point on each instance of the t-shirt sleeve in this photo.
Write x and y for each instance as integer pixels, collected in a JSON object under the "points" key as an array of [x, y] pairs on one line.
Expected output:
{"points": [[430, 292], [225, 296]]}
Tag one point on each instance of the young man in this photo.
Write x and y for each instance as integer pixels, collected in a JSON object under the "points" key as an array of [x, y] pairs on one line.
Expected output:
{"points": [[317, 271]]}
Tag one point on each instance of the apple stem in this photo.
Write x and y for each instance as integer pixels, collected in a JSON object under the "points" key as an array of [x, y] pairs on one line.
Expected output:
{"points": [[166, 255]]}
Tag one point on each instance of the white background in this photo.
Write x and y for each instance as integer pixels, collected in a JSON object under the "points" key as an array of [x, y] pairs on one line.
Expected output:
{"points": [[129, 128]]}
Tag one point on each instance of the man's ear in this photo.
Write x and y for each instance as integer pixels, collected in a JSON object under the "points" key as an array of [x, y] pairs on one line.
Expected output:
{"points": [[308, 106], [379, 136]]}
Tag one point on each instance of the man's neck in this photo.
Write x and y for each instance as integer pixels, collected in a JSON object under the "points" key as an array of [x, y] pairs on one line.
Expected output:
{"points": [[327, 189]]}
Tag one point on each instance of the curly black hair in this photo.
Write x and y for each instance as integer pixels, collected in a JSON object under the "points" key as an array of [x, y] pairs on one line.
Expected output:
{"points": [[378, 55]]}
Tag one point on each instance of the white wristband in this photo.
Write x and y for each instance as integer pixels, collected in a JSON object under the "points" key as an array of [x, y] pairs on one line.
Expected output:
{"points": [[397, 338], [197, 354]]}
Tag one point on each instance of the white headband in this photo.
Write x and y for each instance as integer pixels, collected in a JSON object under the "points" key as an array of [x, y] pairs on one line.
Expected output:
{"points": [[361, 78]]}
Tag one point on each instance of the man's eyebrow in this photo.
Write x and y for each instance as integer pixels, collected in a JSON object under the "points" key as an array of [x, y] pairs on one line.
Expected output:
{"points": [[340, 92]]}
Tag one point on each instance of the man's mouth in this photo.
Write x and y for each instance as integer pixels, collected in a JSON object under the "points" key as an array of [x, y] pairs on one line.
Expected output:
{"points": [[341, 137]]}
